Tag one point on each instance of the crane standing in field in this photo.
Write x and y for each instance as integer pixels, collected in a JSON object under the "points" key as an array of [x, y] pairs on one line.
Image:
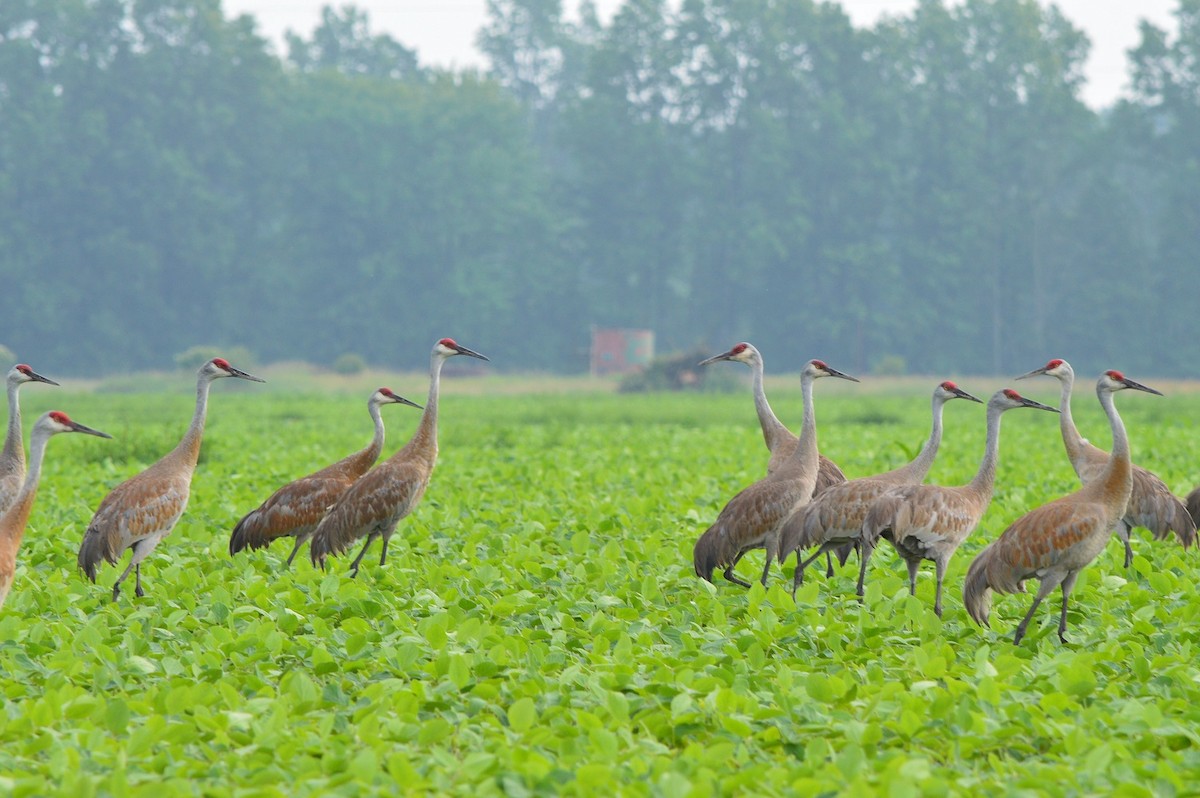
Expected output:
{"points": [[779, 439], [12, 459], [374, 505], [930, 522], [1151, 503], [752, 519], [295, 509], [143, 509], [1054, 542], [14, 519], [835, 518]]}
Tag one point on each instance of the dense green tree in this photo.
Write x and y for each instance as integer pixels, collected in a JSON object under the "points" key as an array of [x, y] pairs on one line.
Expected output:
{"points": [[344, 42]]}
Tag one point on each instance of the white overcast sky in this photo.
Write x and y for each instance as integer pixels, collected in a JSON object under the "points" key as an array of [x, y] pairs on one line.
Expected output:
{"points": [[443, 31]]}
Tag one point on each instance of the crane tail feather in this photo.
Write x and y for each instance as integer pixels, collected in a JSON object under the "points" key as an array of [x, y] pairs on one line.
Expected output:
{"points": [[977, 591]]}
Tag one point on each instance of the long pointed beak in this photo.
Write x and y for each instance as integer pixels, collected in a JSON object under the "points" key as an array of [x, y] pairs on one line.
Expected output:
{"points": [[715, 358], [1137, 386], [1034, 373], [241, 375], [400, 400], [1037, 405], [77, 427], [33, 375], [961, 394], [462, 350], [835, 373]]}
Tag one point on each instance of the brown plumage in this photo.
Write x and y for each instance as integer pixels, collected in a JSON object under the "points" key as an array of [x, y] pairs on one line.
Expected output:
{"points": [[374, 505], [12, 459], [1193, 505], [1054, 542], [752, 519], [780, 440], [930, 522], [143, 509], [295, 509], [14, 519], [1151, 503], [835, 518]]}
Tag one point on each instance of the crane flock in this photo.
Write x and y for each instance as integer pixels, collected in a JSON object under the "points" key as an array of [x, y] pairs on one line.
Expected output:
{"points": [[803, 502]]}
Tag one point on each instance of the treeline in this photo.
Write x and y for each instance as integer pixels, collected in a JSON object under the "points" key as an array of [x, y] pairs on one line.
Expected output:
{"points": [[928, 191]]}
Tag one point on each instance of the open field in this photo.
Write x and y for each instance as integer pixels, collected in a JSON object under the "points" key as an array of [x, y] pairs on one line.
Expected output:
{"points": [[538, 629]]}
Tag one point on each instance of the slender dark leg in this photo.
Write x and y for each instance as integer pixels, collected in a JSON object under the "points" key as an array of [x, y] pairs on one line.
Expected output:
{"points": [[940, 565], [358, 559], [1068, 585], [864, 556], [729, 571], [828, 565], [137, 573], [798, 579], [913, 567], [1122, 531], [1048, 584], [121, 578], [383, 555], [767, 566], [296, 548]]}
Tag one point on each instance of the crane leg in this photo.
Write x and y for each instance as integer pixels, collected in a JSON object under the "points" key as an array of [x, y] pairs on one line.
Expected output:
{"points": [[1122, 531], [1068, 585], [729, 571], [864, 556], [1049, 582], [117, 585], [828, 565], [798, 579], [913, 567], [137, 581], [296, 548], [940, 565], [383, 555], [358, 559]]}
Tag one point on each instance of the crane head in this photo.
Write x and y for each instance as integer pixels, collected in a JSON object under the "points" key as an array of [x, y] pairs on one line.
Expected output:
{"points": [[385, 396], [57, 421], [743, 353], [1007, 399], [22, 373], [1113, 381], [448, 348], [219, 367], [1055, 368], [948, 390], [818, 368]]}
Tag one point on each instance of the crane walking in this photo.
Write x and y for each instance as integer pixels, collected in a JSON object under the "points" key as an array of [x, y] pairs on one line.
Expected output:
{"points": [[374, 505], [14, 519], [12, 459], [1151, 503], [930, 522], [752, 519], [780, 440], [835, 518], [1054, 542], [142, 510], [295, 509]]}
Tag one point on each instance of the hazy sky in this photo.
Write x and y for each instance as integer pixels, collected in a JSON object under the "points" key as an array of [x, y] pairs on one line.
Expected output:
{"points": [[443, 31]]}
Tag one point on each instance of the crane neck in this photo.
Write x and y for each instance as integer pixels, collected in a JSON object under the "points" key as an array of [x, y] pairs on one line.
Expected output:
{"points": [[1072, 440], [806, 455], [1117, 477], [17, 514], [189, 448], [371, 452], [772, 427], [916, 470], [424, 440], [985, 477], [14, 450]]}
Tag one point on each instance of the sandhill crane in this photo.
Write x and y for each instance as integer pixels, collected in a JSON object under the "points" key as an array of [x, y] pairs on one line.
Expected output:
{"points": [[14, 519], [1054, 542], [779, 439], [752, 519], [929, 522], [835, 518], [1151, 503], [12, 459], [295, 509], [143, 509], [374, 505]]}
